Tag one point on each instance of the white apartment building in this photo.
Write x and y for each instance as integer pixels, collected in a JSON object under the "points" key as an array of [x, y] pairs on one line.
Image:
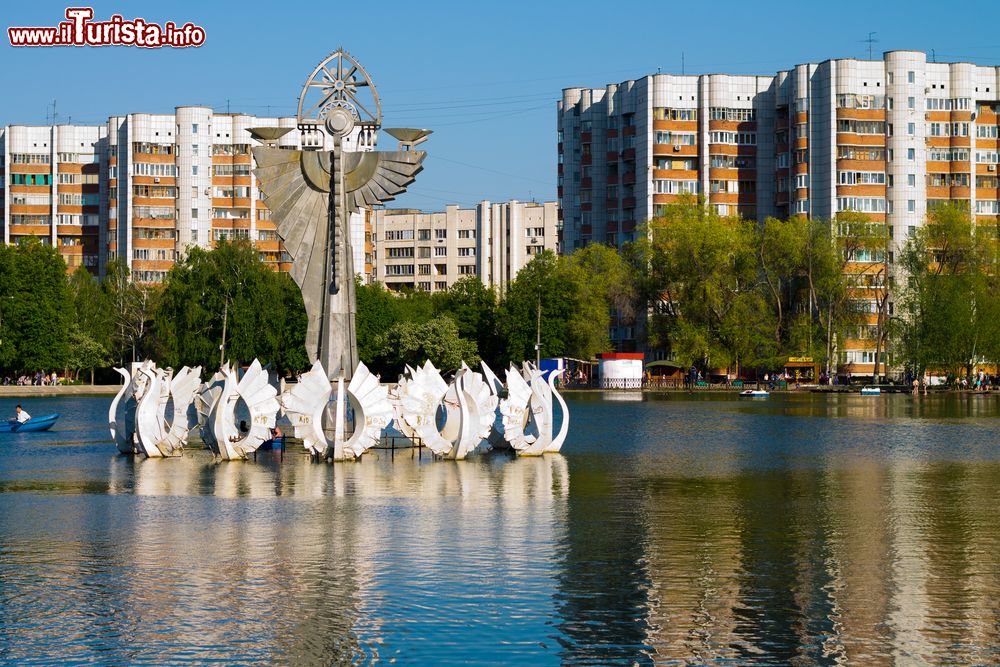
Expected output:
{"points": [[144, 188], [430, 251]]}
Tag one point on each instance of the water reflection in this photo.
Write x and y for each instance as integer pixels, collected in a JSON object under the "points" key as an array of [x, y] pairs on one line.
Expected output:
{"points": [[802, 530]]}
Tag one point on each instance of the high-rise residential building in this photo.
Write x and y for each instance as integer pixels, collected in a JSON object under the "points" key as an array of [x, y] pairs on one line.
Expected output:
{"points": [[890, 138], [430, 251], [144, 188]]}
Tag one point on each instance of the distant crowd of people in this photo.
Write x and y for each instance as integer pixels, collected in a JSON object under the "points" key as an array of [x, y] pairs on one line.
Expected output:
{"points": [[39, 379]]}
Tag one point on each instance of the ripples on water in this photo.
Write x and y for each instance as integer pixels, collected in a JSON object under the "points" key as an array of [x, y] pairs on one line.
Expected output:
{"points": [[801, 530]]}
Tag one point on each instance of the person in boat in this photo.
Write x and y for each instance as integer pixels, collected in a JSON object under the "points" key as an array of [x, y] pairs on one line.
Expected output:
{"points": [[21, 415]]}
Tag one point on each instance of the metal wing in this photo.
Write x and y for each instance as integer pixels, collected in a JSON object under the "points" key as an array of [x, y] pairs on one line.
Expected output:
{"points": [[379, 176]]}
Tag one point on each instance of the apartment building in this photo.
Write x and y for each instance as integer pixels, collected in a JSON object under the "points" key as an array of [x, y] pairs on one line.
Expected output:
{"points": [[144, 188], [890, 138], [430, 251]]}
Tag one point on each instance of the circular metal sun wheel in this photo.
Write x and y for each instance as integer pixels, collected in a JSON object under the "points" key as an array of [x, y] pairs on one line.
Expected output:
{"points": [[340, 94]]}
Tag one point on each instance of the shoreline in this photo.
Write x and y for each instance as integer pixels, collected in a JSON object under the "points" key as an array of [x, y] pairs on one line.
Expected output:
{"points": [[15, 391]]}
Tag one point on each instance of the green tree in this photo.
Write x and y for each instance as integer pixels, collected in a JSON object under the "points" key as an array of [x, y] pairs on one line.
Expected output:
{"points": [[132, 308], [436, 340], [85, 352], [228, 300], [473, 307], [36, 309]]}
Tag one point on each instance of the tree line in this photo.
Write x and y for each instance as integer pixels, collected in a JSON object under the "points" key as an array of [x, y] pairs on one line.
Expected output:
{"points": [[712, 291]]}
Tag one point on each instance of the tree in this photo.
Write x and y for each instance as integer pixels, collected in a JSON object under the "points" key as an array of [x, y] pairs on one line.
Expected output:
{"points": [[436, 340], [36, 308], [473, 308], [85, 352], [573, 314], [90, 305], [227, 304], [132, 308]]}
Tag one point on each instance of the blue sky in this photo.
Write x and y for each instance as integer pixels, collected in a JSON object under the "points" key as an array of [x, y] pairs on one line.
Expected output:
{"points": [[484, 76]]}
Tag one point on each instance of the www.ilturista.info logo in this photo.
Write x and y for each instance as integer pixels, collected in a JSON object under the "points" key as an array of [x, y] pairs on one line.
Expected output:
{"points": [[80, 30]]}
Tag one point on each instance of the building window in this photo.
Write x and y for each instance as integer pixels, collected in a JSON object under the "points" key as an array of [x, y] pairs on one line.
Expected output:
{"points": [[440, 252], [423, 235], [911, 180], [911, 205], [194, 170], [194, 128], [911, 102], [440, 234], [194, 214], [911, 77], [911, 128], [911, 153]]}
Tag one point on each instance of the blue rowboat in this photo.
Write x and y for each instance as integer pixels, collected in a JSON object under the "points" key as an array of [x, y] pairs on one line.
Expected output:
{"points": [[30, 426]]}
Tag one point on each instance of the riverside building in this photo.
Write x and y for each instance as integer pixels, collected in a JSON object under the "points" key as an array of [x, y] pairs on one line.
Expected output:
{"points": [[143, 188], [430, 251], [891, 138]]}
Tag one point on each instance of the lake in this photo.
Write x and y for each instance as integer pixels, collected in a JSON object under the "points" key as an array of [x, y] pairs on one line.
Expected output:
{"points": [[804, 529]]}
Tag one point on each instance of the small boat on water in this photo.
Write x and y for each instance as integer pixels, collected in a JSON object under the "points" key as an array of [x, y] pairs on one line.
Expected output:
{"points": [[754, 393], [32, 425], [871, 391]]}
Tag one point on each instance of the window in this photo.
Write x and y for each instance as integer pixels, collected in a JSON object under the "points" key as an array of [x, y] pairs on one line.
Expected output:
{"points": [[861, 126], [424, 253], [674, 187], [860, 177], [154, 169], [194, 128], [911, 180], [911, 77], [911, 206], [440, 234], [911, 102], [440, 252], [467, 269], [194, 214], [194, 170], [802, 181], [29, 158], [194, 149], [723, 113], [737, 138], [399, 270], [466, 252], [911, 154], [231, 170], [79, 199], [987, 131], [861, 204], [399, 235], [676, 138], [467, 233], [987, 207], [911, 128], [986, 157]]}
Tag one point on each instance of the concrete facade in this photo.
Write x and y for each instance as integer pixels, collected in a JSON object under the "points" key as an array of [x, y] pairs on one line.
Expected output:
{"points": [[430, 251], [144, 188]]}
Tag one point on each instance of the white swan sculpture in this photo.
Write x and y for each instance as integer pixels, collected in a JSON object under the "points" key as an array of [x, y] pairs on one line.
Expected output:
{"points": [[204, 401], [152, 394], [306, 403], [418, 395], [231, 441], [183, 386], [471, 411], [495, 385], [123, 425]]}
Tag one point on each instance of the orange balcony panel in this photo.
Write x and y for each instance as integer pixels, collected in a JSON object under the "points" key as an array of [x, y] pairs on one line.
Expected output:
{"points": [[611, 156], [861, 190], [71, 230], [152, 180], [781, 198], [723, 173], [677, 125], [628, 225], [861, 165], [987, 193], [585, 229], [669, 149], [156, 244], [268, 246], [611, 133], [938, 142], [723, 198], [586, 206], [984, 169], [611, 204], [152, 264], [611, 179], [586, 137], [31, 169], [802, 168], [152, 159], [30, 230], [163, 202], [961, 142], [628, 202], [628, 178], [801, 117], [586, 159], [30, 209], [960, 192], [861, 114], [680, 174], [151, 223], [628, 154], [851, 139], [629, 131], [943, 116], [586, 182], [938, 192], [31, 189], [986, 143]]}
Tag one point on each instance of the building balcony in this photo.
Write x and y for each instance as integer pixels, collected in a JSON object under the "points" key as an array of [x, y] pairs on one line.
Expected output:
{"points": [[586, 160], [611, 156], [586, 182], [629, 131], [628, 178], [586, 137], [628, 154], [628, 202]]}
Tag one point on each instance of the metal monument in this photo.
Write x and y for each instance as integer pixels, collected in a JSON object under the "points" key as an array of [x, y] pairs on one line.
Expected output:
{"points": [[312, 191]]}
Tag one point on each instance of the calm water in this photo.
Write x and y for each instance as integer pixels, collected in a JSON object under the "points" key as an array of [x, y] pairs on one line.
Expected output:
{"points": [[674, 530]]}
